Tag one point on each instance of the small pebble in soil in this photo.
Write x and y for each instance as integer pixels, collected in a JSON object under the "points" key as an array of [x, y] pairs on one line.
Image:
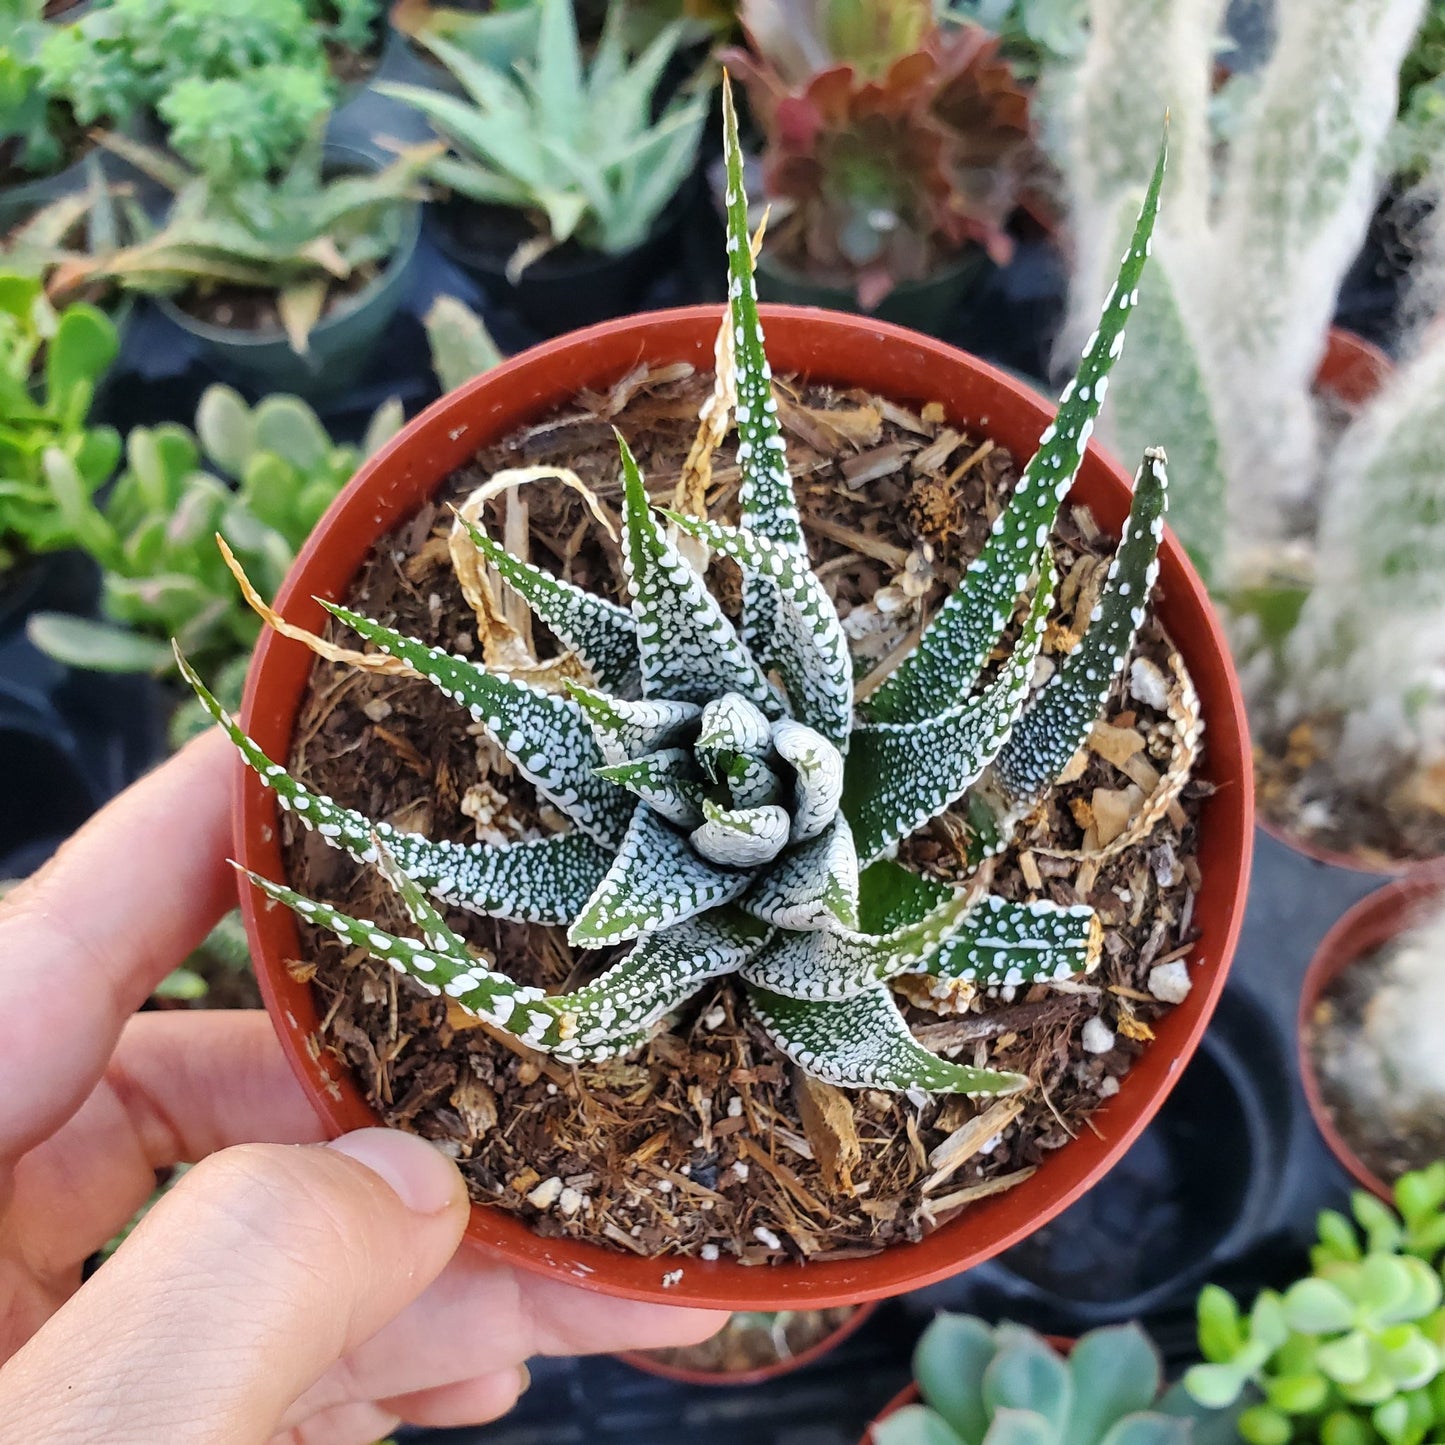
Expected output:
{"points": [[1170, 982], [1098, 1037]]}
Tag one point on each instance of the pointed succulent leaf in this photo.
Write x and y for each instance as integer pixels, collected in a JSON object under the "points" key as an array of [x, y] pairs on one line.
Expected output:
{"points": [[661, 972], [1002, 944], [915, 1425], [1027, 1374], [1116, 1372], [890, 896], [835, 963], [602, 634], [731, 726], [655, 881], [741, 837], [436, 932], [765, 497], [899, 775], [808, 646], [688, 650], [817, 776], [814, 885], [1057, 721], [751, 782], [944, 668], [546, 736], [539, 880], [667, 781], [948, 1363], [863, 1042], [627, 730], [1148, 1427]]}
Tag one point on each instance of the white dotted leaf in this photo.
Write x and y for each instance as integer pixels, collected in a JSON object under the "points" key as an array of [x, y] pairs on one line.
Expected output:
{"points": [[1007, 944], [741, 837], [668, 781], [813, 885], [625, 730]]}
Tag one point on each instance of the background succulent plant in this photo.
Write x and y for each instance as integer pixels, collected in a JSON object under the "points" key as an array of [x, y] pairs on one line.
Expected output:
{"points": [[29, 140], [1351, 1354], [721, 823]]}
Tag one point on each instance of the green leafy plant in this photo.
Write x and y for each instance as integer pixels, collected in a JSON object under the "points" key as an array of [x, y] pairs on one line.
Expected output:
{"points": [[1419, 134], [497, 37], [299, 236], [29, 114], [1005, 1385], [722, 823], [891, 141], [260, 477], [573, 144], [1351, 1354], [50, 365], [1036, 34]]}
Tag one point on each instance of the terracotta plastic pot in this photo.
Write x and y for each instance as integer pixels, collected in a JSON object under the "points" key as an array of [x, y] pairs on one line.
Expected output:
{"points": [[825, 347], [1366, 928], [651, 1365]]}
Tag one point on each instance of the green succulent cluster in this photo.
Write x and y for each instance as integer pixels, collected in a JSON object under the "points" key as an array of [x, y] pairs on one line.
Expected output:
{"points": [[1005, 1385], [28, 114], [239, 87], [1354, 1354], [260, 477], [50, 365], [731, 804], [574, 142]]}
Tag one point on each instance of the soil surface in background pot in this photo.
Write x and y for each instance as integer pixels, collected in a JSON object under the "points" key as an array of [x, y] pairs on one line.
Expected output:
{"points": [[757, 1341], [709, 1141], [255, 308], [1394, 1126], [1399, 821]]}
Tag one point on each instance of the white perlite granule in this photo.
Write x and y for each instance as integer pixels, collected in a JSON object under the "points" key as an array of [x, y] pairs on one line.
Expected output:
{"points": [[1170, 982], [1098, 1037]]}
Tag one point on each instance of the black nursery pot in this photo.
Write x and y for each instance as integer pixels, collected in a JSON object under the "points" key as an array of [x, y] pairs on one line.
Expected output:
{"points": [[567, 288]]}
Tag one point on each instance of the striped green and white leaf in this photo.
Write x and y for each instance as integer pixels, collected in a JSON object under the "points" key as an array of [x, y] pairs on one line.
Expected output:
{"points": [[863, 1042], [1002, 944], [626, 730], [1058, 720], [945, 666], [668, 781]]}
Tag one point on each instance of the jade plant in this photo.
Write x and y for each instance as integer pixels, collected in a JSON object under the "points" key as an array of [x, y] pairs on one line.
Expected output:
{"points": [[1005, 1385], [50, 365], [732, 806], [891, 140], [260, 477], [1353, 1354], [573, 143]]}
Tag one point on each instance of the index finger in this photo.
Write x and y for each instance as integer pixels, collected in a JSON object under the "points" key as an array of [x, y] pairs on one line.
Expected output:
{"points": [[84, 941]]}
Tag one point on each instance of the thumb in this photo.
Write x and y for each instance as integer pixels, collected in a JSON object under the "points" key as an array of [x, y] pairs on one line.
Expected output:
{"points": [[264, 1266]]}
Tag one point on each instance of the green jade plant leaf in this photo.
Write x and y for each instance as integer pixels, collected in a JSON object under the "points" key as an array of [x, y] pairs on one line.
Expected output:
{"points": [[732, 804]]}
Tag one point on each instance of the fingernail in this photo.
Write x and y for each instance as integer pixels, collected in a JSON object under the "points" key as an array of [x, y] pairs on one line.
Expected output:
{"points": [[420, 1176], [524, 1379]]}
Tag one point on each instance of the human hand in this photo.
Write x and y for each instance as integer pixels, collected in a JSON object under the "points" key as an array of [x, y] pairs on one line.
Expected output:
{"points": [[304, 1293]]}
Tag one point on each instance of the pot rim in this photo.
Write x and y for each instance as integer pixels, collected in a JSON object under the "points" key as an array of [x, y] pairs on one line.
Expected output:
{"points": [[645, 1361], [848, 350], [1370, 924]]}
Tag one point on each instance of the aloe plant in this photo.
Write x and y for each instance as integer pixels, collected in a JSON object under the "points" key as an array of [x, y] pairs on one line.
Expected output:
{"points": [[1004, 1385], [1353, 1353], [723, 822], [571, 142]]}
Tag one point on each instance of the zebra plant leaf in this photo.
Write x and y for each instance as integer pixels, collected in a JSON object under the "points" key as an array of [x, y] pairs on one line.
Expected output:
{"points": [[863, 1042], [602, 634], [545, 736], [540, 880], [721, 790], [944, 668], [1055, 723]]}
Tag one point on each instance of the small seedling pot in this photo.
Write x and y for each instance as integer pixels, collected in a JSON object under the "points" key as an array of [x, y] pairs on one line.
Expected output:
{"points": [[340, 345], [823, 347], [651, 1364], [1371, 924]]}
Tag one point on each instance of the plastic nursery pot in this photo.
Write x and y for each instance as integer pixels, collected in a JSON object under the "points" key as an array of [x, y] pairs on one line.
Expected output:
{"points": [[926, 305], [824, 347], [567, 288], [651, 1364], [1365, 929], [340, 344]]}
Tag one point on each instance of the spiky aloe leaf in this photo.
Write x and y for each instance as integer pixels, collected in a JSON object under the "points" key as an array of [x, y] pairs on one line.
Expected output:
{"points": [[668, 781], [654, 882], [765, 496], [863, 1042], [808, 646], [944, 668], [899, 775], [731, 726], [814, 885], [1005, 944], [539, 880], [835, 963], [818, 776], [546, 736], [689, 651], [602, 634], [741, 837], [1056, 722], [626, 730]]}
